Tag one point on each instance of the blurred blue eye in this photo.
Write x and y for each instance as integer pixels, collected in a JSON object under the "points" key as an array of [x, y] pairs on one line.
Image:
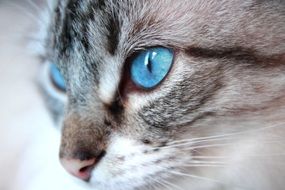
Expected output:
{"points": [[57, 78], [151, 66]]}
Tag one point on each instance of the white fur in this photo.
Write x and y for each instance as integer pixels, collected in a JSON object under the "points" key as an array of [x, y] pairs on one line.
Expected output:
{"points": [[109, 80], [129, 172]]}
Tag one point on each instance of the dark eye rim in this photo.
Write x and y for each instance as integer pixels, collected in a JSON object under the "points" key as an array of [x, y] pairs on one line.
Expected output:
{"points": [[129, 62]]}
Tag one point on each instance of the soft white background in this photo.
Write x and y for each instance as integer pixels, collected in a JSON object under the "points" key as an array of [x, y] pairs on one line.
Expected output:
{"points": [[25, 127]]}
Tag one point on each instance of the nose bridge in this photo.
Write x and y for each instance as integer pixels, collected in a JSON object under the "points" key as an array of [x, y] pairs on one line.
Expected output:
{"points": [[81, 138]]}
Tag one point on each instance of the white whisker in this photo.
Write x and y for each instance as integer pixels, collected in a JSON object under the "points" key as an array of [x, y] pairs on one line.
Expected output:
{"points": [[28, 13], [34, 6], [226, 135], [195, 177], [205, 162], [202, 165], [245, 155], [194, 141], [171, 184], [208, 146], [210, 157], [198, 147], [161, 183]]}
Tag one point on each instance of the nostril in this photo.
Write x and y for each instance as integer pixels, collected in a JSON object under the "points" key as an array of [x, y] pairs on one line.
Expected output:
{"points": [[79, 168], [85, 172], [85, 169]]}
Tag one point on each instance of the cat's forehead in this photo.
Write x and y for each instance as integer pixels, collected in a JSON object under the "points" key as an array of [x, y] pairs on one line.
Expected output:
{"points": [[127, 25], [123, 26], [104, 25]]}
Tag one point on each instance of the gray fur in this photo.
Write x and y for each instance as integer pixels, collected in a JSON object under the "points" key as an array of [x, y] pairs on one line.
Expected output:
{"points": [[228, 78]]}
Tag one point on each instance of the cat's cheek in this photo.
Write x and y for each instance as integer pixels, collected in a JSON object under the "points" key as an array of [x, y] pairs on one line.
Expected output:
{"points": [[180, 69]]}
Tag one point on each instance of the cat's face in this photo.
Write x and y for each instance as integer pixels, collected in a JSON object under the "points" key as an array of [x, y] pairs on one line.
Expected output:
{"points": [[226, 75]]}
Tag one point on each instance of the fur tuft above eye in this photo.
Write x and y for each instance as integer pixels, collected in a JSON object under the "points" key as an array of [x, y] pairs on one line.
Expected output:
{"points": [[57, 78], [151, 66]]}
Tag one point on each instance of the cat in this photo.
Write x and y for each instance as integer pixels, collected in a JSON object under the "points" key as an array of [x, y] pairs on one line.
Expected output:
{"points": [[165, 94]]}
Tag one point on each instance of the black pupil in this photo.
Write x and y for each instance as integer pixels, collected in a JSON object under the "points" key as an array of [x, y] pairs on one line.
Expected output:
{"points": [[149, 65]]}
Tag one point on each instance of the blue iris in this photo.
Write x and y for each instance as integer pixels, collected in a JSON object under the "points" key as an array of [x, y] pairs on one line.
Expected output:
{"points": [[57, 77], [151, 66]]}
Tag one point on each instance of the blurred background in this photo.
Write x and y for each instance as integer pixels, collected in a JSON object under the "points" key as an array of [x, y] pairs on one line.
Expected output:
{"points": [[24, 121]]}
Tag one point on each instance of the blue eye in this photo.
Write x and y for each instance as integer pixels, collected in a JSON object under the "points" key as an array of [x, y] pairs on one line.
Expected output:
{"points": [[57, 78], [151, 66]]}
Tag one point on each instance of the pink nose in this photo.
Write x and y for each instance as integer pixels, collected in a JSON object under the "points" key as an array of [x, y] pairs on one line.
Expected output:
{"points": [[79, 168]]}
